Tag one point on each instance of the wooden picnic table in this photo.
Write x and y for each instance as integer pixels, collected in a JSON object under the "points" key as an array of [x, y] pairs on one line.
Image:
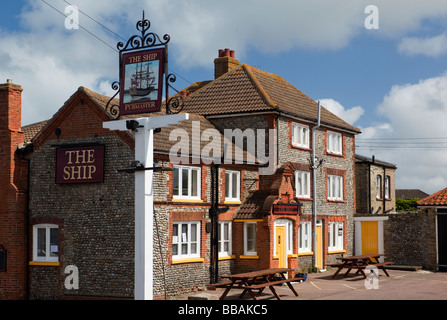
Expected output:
{"points": [[257, 280], [361, 262]]}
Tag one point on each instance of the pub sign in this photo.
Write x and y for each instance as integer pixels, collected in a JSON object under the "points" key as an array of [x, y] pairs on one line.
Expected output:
{"points": [[141, 81], [286, 208], [80, 164]]}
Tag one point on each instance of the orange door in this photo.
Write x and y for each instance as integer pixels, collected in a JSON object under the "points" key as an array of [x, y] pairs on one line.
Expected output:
{"points": [[281, 246], [370, 237], [319, 248]]}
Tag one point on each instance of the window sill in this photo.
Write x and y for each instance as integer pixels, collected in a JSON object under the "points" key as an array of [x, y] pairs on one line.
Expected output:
{"points": [[288, 256], [227, 257], [338, 155], [232, 201], [190, 260], [44, 263], [302, 148], [336, 251], [254, 257], [305, 253], [186, 200]]}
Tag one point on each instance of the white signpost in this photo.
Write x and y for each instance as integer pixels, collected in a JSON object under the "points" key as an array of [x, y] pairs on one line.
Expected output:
{"points": [[144, 198]]}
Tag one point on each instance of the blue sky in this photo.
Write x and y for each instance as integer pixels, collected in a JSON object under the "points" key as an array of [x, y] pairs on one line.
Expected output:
{"points": [[391, 81]]}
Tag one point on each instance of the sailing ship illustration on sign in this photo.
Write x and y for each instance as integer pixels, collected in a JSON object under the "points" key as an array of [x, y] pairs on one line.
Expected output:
{"points": [[141, 81]]}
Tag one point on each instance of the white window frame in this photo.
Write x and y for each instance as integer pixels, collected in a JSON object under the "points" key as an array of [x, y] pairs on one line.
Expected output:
{"points": [[334, 142], [335, 187], [302, 184], [305, 237], [190, 186], [300, 135], [250, 237], [49, 247], [222, 241], [379, 187], [186, 240], [230, 176], [387, 187], [335, 238]]}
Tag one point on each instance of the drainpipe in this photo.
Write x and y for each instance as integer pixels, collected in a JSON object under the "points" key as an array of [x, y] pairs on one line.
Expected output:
{"points": [[314, 185], [384, 186]]}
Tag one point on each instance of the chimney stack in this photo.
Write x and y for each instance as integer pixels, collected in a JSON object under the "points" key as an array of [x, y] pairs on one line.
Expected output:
{"points": [[224, 62], [10, 106], [13, 193]]}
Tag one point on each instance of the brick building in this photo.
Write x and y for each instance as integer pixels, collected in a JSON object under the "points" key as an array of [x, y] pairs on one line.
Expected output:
{"points": [[375, 181], [376, 200], [81, 213]]}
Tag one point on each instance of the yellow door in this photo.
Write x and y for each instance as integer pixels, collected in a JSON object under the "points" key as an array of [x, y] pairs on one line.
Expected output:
{"points": [[370, 237], [319, 248], [281, 246]]}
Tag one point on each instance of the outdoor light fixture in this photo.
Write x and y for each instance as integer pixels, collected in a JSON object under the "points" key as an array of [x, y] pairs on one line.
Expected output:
{"points": [[133, 125]]}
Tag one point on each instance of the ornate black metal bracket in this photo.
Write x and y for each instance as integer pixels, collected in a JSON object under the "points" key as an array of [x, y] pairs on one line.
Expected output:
{"points": [[112, 108], [176, 102], [146, 40]]}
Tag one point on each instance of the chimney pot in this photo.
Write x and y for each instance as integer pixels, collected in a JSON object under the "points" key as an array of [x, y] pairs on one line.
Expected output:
{"points": [[8, 80], [224, 62]]}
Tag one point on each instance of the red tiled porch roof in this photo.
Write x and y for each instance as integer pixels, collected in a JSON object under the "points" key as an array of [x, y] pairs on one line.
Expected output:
{"points": [[437, 199]]}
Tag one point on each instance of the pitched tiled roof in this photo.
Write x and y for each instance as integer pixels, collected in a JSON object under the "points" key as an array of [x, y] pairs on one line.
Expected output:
{"points": [[437, 199], [248, 89], [410, 194], [258, 203], [31, 130], [253, 205]]}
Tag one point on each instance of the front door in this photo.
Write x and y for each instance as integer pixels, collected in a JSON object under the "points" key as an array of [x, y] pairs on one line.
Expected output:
{"points": [[319, 249], [281, 246], [370, 237]]}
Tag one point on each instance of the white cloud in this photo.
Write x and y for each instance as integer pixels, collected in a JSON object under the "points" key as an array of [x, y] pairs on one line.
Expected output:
{"points": [[430, 46], [349, 115], [415, 137], [50, 62]]}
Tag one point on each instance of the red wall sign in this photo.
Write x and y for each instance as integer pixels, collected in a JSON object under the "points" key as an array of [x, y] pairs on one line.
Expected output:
{"points": [[141, 81], [286, 208], [80, 164]]}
